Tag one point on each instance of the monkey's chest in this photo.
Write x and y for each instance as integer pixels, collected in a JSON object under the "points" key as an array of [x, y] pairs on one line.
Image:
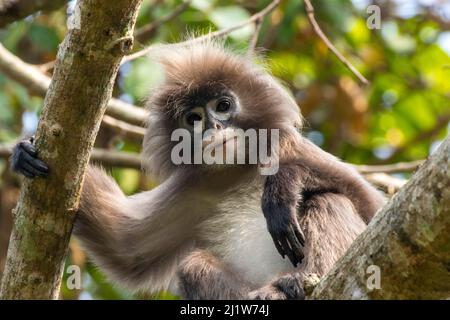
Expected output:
{"points": [[238, 234]]}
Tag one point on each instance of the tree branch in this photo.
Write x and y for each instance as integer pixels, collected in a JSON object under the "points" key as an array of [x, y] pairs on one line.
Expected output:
{"points": [[367, 170], [146, 32], [105, 157], [312, 19], [408, 240], [389, 168], [217, 34], [254, 39], [38, 83], [13, 10], [123, 128], [69, 123], [388, 184]]}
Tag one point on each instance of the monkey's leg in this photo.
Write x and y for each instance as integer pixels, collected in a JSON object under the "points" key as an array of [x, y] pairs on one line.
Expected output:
{"points": [[202, 276], [331, 223], [287, 287]]}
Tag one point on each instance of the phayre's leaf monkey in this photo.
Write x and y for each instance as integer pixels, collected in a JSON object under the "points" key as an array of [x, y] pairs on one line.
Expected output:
{"points": [[203, 230]]}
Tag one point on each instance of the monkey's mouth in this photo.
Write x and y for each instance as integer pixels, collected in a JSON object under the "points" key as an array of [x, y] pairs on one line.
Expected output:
{"points": [[220, 139]]}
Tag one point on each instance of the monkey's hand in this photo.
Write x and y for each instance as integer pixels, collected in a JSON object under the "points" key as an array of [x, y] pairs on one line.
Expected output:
{"points": [[24, 160], [280, 210]]}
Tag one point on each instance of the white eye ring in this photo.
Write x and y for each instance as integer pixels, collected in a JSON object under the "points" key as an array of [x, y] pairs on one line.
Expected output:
{"points": [[212, 106]]}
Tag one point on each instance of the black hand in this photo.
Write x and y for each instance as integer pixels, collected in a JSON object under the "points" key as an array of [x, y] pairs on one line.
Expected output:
{"points": [[285, 231], [24, 160]]}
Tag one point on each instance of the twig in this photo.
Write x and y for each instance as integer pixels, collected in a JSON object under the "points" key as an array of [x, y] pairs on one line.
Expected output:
{"points": [[389, 168], [310, 13], [217, 34], [116, 158], [146, 32], [123, 128], [254, 39], [106, 157], [37, 82], [385, 182]]}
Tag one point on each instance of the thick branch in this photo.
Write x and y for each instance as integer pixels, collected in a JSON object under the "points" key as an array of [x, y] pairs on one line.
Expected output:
{"points": [[408, 240], [13, 10], [38, 83], [87, 59]]}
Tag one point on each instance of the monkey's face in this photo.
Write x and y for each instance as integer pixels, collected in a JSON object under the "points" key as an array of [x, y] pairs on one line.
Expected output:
{"points": [[210, 110], [213, 112], [210, 116]]}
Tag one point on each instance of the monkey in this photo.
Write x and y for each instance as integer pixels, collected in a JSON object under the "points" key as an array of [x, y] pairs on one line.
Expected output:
{"points": [[219, 231]]}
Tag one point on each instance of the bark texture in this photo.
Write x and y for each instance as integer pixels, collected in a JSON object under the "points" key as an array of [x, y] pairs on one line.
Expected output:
{"points": [[100, 34], [409, 240], [12, 10]]}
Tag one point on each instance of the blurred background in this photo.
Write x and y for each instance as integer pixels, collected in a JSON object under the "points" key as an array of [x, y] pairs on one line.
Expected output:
{"points": [[401, 116]]}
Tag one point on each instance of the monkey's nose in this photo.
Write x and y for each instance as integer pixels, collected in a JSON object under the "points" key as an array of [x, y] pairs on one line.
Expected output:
{"points": [[217, 125]]}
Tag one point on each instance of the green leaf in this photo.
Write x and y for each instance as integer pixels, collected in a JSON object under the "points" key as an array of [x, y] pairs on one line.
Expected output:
{"points": [[144, 74], [225, 17], [43, 37]]}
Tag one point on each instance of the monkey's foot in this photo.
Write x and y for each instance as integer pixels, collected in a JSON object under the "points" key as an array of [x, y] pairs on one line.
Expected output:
{"points": [[288, 287], [24, 160]]}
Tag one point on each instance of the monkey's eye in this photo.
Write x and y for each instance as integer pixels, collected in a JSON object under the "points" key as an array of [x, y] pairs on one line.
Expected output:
{"points": [[223, 105], [192, 117]]}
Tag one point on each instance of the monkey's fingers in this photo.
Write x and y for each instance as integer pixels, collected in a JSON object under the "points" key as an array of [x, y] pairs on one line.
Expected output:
{"points": [[289, 251], [299, 234], [24, 160], [296, 246], [278, 246]]}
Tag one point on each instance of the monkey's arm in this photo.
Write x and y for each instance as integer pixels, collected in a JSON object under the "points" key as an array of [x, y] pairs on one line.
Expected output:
{"points": [[309, 171], [322, 172], [137, 240], [282, 193]]}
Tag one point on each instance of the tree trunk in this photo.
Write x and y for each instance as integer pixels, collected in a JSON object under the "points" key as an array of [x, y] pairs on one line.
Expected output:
{"points": [[100, 33], [409, 240]]}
